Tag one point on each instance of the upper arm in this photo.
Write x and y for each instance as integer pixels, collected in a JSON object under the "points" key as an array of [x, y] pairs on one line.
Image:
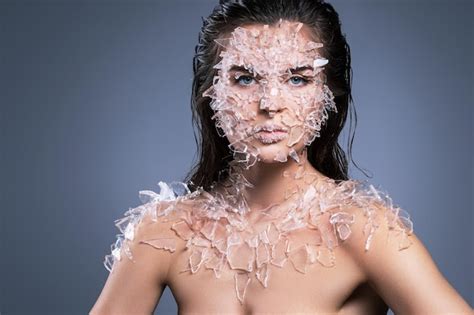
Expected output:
{"points": [[135, 285], [407, 279]]}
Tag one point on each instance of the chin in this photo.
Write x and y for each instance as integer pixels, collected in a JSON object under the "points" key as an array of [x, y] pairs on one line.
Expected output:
{"points": [[268, 153]]}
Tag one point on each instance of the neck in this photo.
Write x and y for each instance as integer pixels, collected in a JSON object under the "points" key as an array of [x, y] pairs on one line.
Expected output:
{"points": [[272, 181]]}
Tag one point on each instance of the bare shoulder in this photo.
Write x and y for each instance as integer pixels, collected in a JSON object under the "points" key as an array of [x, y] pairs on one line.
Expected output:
{"points": [[378, 230], [397, 264], [154, 240], [140, 260]]}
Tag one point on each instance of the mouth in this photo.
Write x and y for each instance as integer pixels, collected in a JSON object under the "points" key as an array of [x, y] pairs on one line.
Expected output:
{"points": [[270, 133]]}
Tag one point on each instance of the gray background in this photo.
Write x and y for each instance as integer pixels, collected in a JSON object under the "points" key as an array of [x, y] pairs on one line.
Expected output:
{"points": [[95, 107]]}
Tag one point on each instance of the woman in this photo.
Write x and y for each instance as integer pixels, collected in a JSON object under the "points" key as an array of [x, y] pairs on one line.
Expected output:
{"points": [[269, 221]]}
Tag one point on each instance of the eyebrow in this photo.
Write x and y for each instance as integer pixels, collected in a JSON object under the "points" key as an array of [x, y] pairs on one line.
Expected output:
{"points": [[239, 68], [292, 70], [300, 69]]}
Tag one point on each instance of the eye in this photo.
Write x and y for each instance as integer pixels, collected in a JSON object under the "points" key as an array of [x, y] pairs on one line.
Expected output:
{"points": [[245, 80], [298, 81]]}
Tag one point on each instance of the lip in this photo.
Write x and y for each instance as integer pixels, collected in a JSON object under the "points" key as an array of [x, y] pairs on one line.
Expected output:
{"points": [[270, 127], [269, 137]]}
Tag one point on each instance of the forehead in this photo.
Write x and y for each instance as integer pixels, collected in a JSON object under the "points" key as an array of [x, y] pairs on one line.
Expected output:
{"points": [[265, 48], [281, 29]]}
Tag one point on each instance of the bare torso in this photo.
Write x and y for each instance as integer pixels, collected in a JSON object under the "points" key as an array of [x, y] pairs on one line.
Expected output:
{"points": [[340, 289]]}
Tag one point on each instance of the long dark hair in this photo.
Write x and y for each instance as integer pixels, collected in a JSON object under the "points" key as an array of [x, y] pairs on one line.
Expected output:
{"points": [[324, 154]]}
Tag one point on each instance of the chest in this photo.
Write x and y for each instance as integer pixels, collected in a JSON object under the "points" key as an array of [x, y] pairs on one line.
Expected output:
{"points": [[319, 290]]}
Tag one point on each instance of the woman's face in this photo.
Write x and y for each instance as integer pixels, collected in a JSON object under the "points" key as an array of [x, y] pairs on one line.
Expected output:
{"points": [[269, 96]]}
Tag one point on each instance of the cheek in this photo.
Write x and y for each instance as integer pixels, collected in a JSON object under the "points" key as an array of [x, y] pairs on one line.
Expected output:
{"points": [[243, 101]]}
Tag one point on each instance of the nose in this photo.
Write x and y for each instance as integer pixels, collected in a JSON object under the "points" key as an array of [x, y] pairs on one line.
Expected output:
{"points": [[271, 101]]}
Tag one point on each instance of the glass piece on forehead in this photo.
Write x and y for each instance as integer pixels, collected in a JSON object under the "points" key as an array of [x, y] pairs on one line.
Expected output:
{"points": [[326, 257], [208, 229], [262, 254], [254, 32], [242, 279], [241, 257], [298, 27], [263, 275], [279, 253], [182, 230], [310, 45], [319, 62], [165, 243], [299, 258], [294, 155], [222, 42], [280, 156], [286, 174], [280, 22], [296, 133]]}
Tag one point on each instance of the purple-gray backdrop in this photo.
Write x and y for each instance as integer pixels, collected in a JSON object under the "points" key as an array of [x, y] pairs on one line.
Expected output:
{"points": [[95, 107]]}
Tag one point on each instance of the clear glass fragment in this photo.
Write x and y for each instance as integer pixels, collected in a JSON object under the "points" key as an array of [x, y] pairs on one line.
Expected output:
{"points": [[165, 243], [242, 280], [299, 258]]}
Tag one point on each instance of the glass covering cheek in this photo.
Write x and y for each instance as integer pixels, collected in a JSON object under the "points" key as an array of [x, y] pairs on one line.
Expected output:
{"points": [[271, 70]]}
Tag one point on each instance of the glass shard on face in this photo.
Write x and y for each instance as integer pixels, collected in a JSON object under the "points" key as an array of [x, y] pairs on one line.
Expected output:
{"points": [[269, 89]]}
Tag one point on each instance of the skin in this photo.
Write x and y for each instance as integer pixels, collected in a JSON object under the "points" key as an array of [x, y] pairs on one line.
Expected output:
{"points": [[362, 282]]}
